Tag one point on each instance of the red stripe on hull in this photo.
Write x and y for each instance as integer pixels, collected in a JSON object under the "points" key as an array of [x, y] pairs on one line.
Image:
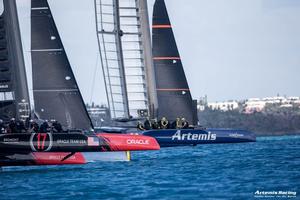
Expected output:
{"points": [[126, 142], [49, 158]]}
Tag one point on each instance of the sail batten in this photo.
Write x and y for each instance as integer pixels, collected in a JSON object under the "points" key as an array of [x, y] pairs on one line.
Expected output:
{"points": [[40, 8], [61, 90], [55, 90], [173, 93], [47, 50]]}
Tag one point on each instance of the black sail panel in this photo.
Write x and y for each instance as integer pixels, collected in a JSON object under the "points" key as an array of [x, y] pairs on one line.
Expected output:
{"points": [[14, 97], [173, 93], [55, 91]]}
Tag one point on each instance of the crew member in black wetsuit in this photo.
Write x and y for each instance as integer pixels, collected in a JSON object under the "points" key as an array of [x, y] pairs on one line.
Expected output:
{"points": [[155, 124], [57, 127], [2, 127], [173, 125], [44, 128], [184, 123], [33, 126], [140, 126], [164, 124], [147, 124], [176, 124], [20, 125], [12, 126]]}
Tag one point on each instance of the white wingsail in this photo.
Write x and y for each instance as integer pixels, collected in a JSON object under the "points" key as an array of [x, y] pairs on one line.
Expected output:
{"points": [[123, 59]]}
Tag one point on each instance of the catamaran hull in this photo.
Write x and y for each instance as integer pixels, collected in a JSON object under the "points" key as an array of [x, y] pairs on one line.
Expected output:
{"points": [[69, 148], [186, 137], [56, 158]]}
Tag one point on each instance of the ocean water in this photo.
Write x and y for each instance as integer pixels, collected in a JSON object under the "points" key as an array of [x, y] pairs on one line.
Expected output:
{"points": [[222, 171]]}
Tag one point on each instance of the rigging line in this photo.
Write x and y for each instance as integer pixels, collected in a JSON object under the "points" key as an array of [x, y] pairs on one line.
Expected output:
{"points": [[94, 79], [28, 69]]}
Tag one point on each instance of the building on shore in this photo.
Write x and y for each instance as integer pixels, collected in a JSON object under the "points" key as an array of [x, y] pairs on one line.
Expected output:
{"points": [[254, 105], [224, 106], [250, 105]]}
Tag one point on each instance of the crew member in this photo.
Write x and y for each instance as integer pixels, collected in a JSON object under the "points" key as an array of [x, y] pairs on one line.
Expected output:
{"points": [[184, 123], [147, 124], [20, 125], [173, 124], [140, 126], [176, 124], [2, 127], [52, 121], [44, 128], [155, 124], [163, 123], [34, 127], [12, 126], [57, 127]]}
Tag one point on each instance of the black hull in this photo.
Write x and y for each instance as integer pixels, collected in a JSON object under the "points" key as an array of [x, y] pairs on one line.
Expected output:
{"points": [[51, 142], [24, 143]]}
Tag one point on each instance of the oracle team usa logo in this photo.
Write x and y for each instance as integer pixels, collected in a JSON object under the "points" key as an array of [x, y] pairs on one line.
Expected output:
{"points": [[41, 141]]}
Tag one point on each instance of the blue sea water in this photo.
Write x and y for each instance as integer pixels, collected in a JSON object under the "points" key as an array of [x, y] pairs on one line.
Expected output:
{"points": [[222, 171]]}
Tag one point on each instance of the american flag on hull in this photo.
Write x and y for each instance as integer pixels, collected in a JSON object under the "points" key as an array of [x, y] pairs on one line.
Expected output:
{"points": [[93, 141]]}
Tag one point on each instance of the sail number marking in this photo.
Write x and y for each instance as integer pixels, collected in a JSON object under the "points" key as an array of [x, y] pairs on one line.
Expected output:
{"points": [[39, 136], [41, 141]]}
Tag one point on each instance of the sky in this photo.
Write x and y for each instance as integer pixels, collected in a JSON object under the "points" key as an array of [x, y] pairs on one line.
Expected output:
{"points": [[233, 49]]}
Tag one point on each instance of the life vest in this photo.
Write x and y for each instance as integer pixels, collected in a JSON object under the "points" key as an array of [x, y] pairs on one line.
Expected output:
{"points": [[140, 126], [164, 124]]}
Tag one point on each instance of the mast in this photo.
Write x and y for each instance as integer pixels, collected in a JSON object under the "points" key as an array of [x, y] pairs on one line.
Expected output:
{"points": [[173, 93], [55, 90], [147, 48], [14, 96]]}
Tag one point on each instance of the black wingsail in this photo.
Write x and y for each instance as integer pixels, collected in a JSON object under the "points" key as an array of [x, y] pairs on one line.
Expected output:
{"points": [[55, 91], [14, 97], [173, 93]]}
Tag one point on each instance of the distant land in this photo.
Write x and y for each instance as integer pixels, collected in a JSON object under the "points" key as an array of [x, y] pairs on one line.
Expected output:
{"points": [[267, 116], [277, 115]]}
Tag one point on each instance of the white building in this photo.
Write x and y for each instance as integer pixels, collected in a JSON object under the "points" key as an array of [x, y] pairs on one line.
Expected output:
{"points": [[296, 102], [254, 105], [293, 98], [224, 106], [275, 100], [200, 107]]}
